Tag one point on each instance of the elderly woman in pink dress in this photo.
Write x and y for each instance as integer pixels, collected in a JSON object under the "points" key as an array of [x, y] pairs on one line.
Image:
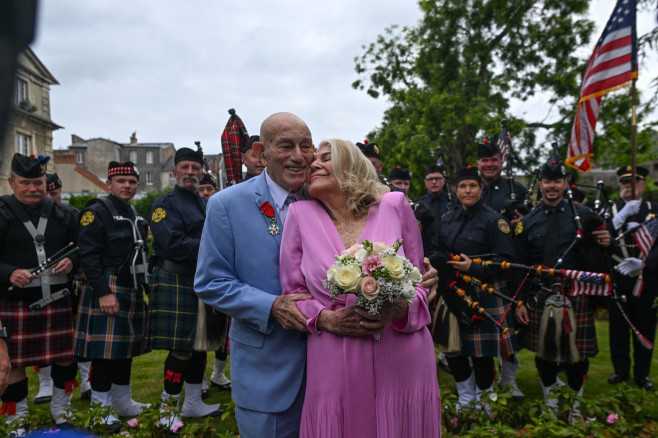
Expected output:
{"points": [[367, 375]]}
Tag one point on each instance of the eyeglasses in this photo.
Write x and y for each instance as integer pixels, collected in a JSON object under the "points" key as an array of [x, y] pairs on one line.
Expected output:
{"points": [[437, 179]]}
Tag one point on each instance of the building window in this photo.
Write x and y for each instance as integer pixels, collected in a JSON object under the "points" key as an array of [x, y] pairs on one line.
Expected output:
{"points": [[21, 91], [22, 144], [80, 157], [133, 156], [149, 157], [149, 179]]}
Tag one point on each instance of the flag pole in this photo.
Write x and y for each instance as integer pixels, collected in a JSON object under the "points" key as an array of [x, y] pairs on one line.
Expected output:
{"points": [[633, 136]]}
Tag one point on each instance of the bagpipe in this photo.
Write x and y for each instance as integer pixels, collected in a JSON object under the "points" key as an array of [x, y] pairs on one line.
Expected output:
{"points": [[440, 161], [51, 261]]}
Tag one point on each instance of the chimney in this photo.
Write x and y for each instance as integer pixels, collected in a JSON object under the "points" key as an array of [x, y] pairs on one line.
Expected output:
{"points": [[133, 138]]}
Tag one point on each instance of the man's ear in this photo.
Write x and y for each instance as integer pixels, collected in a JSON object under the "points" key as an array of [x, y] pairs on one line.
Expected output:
{"points": [[259, 150]]}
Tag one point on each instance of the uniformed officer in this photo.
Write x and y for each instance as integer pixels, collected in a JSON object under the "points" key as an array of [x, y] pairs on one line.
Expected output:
{"points": [[252, 162], [497, 191], [35, 308], [543, 236], [177, 219], [497, 195], [628, 213], [474, 228], [207, 186], [112, 312], [436, 198]]}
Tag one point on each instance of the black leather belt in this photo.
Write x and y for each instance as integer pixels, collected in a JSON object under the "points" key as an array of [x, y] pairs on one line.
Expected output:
{"points": [[177, 268]]}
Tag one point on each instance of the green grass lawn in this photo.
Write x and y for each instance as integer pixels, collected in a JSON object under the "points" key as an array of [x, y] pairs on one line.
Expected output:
{"points": [[148, 374]]}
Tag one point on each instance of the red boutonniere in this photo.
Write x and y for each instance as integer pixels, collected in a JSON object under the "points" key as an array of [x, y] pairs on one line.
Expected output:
{"points": [[268, 211]]}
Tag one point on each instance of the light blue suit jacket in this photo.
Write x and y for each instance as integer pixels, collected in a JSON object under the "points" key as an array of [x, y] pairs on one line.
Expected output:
{"points": [[238, 273]]}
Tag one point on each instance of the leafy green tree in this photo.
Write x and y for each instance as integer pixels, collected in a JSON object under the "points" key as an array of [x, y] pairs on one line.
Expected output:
{"points": [[452, 78], [143, 205], [79, 201]]}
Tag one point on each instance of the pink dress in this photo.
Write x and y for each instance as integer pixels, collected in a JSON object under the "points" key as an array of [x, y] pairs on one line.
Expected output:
{"points": [[361, 387]]}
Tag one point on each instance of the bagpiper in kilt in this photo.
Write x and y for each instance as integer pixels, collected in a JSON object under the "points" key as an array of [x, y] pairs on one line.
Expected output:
{"points": [[176, 221], [471, 229], [560, 328], [34, 303], [112, 313]]}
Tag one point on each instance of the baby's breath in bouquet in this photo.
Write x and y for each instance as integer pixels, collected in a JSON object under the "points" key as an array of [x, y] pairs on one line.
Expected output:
{"points": [[375, 273]]}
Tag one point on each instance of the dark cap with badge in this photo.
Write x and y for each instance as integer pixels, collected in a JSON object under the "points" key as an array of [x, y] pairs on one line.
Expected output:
{"points": [[470, 172], [370, 150], [116, 168], [625, 173], [434, 168], [250, 143], [187, 154], [398, 173], [208, 179], [53, 182], [29, 167], [553, 168], [487, 149]]}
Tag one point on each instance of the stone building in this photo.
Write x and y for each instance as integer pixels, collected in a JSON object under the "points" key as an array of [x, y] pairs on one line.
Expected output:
{"points": [[30, 128]]}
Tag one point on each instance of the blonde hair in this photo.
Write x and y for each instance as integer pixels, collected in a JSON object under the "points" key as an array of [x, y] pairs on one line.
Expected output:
{"points": [[355, 174]]}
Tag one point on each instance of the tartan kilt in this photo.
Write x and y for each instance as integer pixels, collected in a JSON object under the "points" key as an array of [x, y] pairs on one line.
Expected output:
{"points": [[173, 311], [585, 329], [38, 337], [483, 340], [102, 336]]}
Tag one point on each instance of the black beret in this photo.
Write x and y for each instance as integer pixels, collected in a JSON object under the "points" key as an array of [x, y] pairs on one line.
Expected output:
{"points": [[29, 167], [434, 168], [487, 149], [250, 143], [187, 154], [399, 173], [369, 149], [53, 182], [208, 179], [116, 168], [625, 173], [469, 172], [553, 168]]}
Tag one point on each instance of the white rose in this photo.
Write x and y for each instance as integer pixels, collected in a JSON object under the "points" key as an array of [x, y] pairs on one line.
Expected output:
{"points": [[415, 276], [360, 255], [331, 273], [348, 277], [408, 291], [395, 266], [378, 247]]}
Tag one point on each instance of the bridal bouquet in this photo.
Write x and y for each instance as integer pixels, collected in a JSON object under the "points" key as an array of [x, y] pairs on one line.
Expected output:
{"points": [[375, 273]]}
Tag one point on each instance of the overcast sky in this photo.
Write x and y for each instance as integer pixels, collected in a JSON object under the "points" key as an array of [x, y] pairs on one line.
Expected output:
{"points": [[169, 70]]}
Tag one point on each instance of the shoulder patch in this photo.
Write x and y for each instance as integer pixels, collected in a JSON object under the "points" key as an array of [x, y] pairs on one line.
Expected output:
{"points": [[158, 214], [519, 228], [503, 226], [87, 218]]}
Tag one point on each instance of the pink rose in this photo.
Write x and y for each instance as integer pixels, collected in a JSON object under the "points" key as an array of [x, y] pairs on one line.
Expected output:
{"points": [[370, 264], [177, 426], [612, 418], [133, 422], [378, 247], [370, 288], [352, 249]]}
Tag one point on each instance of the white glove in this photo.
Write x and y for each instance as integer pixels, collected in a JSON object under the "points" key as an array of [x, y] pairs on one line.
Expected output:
{"points": [[630, 225], [629, 266], [631, 208]]}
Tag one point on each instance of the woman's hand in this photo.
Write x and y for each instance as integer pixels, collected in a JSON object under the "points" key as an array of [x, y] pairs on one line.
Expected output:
{"points": [[348, 322], [463, 265]]}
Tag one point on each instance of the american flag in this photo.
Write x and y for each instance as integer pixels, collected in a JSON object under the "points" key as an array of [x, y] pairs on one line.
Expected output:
{"points": [[503, 140], [588, 283], [646, 235], [233, 138], [613, 65]]}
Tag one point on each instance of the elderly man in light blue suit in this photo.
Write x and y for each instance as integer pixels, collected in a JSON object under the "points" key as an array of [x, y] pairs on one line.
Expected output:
{"points": [[238, 273]]}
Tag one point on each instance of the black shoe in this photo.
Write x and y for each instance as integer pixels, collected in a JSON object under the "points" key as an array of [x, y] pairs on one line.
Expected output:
{"points": [[112, 428], [444, 366], [225, 387], [616, 379], [644, 383], [86, 395], [205, 393], [42, 400]]}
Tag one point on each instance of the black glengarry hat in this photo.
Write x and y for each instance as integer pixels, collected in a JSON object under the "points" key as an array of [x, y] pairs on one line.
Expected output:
{"points": [[435, 168], [370, 150], [470, 172], [29, 167], [250, 143], [487, 149], [398, 173], [187, 154], [553, 168], [53, 182]]}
